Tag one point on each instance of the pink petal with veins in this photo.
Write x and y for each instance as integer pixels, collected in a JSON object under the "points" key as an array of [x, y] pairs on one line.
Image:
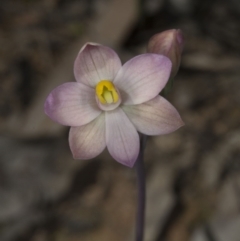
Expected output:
{"points": [[142, 78], [95, 63], [88, 141], [72, 104], [122, 138], [155, 117]]}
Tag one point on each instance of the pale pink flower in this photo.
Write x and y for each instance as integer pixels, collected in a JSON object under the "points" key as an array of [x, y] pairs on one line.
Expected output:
{"points": [[110, 103]]}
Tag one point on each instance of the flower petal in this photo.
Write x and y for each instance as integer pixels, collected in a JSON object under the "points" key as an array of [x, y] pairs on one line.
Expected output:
{"points": [[121, 137], [155, 117], [142, 78], [88, 141], [72, 104], [95, 63]]}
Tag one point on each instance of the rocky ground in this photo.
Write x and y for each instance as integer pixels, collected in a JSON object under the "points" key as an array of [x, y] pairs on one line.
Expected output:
{"points": [[193, 181]]}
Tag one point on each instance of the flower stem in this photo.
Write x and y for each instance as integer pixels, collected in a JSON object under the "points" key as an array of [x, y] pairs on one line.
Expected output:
{"points": [[141, 191]]}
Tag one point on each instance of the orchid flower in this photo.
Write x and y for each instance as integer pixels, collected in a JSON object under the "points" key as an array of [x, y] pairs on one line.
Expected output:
{"points": [[110, 103]]}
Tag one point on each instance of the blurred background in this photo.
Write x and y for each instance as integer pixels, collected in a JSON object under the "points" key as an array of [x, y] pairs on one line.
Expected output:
{"points": [[193, 175]]}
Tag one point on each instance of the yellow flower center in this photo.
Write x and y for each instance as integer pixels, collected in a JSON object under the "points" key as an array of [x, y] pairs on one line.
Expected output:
{"points": [[106, 92]]}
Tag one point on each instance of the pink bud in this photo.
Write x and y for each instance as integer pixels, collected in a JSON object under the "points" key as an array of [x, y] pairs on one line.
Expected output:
{"points": [[170, 44]]}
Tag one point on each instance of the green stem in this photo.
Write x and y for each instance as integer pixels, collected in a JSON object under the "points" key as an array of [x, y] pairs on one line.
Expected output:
{"points": [[141, 191]]}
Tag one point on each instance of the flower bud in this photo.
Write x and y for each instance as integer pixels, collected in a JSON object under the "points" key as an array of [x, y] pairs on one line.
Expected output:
{"points": [[170, 44]]}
